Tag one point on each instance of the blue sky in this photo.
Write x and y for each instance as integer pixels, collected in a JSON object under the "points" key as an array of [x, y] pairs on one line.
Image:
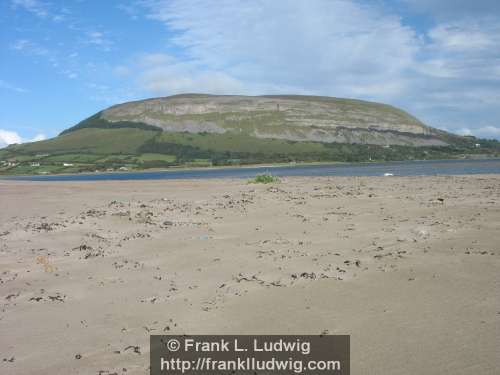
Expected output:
{"points": [[62, 61]]}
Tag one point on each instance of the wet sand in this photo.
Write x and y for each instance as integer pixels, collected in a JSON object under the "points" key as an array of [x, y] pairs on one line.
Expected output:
{"points": [[408, 266]]}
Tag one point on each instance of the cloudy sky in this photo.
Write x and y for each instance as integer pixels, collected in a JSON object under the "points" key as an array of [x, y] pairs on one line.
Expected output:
{"points": [[62, 61]]}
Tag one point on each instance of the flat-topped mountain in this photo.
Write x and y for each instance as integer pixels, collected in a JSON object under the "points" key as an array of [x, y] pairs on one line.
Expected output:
{"points": [[205, 130], [289, 117]]}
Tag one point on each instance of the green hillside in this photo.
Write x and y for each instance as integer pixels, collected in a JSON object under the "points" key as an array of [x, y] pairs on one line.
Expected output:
{"points": [[95, 141]]}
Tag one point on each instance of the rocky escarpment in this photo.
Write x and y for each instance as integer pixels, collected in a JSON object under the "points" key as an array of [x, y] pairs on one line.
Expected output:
{"points": [[294, 118]]}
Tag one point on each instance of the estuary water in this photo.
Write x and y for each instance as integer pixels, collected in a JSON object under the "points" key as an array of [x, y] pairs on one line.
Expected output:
{"points": [[404, 168]]}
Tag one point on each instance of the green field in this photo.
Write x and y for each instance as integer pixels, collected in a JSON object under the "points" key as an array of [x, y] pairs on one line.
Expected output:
{"points": [[156, 157]]}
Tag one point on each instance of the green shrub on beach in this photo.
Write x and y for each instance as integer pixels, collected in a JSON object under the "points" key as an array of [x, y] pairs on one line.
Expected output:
{"points": [[264, 179]]}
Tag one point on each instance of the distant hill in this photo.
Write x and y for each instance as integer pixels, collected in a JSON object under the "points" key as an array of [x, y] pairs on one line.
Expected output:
{"points": [[199, 129], [289, 117]]}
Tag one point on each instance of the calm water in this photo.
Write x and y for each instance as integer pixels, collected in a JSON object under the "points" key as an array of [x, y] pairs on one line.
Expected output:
{"points": [[407, 168]]}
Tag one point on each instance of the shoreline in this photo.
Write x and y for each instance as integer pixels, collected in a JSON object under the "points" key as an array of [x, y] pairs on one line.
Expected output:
{"points": [[243, 167]]}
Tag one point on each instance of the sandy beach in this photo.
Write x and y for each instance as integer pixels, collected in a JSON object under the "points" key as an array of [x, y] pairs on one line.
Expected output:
{"points": [[408, 266]]}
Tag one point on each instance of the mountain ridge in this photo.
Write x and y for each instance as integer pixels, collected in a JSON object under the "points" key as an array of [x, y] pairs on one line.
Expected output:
{"points": [[206, 130], [289, 117]]}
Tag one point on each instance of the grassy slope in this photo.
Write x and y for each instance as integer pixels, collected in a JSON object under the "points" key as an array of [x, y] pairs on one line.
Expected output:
{"points": [[232, 142], [95, 141], [96, 122]]}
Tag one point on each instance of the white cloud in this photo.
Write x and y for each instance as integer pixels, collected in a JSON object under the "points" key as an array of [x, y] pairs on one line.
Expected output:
{"points": [[29, 47], [482, 132], [319, 46], [37, 7], [458, 37], [463, 50], [331, 47], [488, 131], [179, 79], [10, 87], [42, 9], [130, 9], [38, 137], [65, 64], [58, 18], [162, 74], [95, 37], [8, 137], [99, 39], [97, 86]]}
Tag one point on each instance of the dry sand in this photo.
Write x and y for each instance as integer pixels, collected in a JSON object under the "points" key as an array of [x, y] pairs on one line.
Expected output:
{"points": [[409, 267]]}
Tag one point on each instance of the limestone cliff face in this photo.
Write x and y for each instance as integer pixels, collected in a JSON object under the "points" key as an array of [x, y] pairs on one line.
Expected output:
{"points": [[295, 118]]}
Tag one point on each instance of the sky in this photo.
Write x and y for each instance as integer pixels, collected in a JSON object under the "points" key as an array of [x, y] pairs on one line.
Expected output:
{"points": [[62, 61]]}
